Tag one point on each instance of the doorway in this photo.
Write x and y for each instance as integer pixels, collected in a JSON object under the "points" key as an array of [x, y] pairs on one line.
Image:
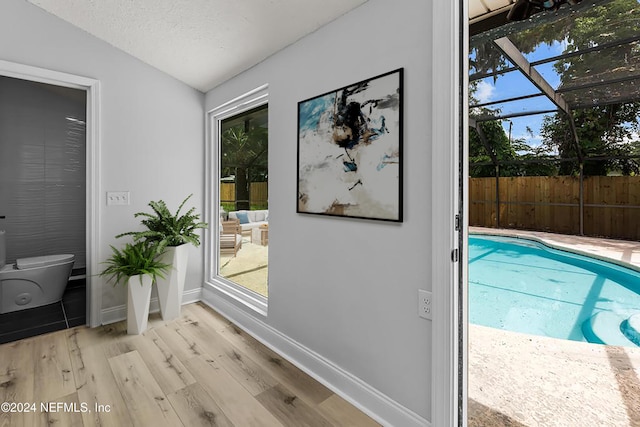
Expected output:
{"points": [[42, 199], [74, 129], [570, 75]]}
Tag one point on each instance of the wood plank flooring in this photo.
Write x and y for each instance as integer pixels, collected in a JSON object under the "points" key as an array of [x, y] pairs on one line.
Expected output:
{"points": [[198, 370]]}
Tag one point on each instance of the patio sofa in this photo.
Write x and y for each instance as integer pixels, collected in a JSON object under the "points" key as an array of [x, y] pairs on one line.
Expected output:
{"points": [[250, 219]]}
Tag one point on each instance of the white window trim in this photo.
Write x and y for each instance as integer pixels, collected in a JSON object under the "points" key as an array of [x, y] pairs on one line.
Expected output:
{"points": [[248, 101]]}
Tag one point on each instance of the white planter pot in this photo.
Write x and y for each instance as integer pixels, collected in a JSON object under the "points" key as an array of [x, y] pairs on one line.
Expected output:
{"points": [[138, 299], [170, 288]]}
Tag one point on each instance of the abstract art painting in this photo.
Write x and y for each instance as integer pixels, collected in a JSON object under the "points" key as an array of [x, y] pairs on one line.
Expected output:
{"points": [[350, 150]]}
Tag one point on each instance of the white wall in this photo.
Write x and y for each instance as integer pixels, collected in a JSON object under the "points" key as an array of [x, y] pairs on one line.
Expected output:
{"points": [[347, 289], [152, 127], [344, 289]]}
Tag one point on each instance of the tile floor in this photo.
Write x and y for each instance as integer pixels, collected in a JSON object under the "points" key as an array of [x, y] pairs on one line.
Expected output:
{"points": [[69, 312]]}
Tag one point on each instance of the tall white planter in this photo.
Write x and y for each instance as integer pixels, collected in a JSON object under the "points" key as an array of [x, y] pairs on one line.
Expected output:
{"points": [[138, 299], [170, 288]]}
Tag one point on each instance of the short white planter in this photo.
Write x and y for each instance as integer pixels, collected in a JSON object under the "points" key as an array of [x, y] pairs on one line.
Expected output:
{"points": [[138, 299], [171, 288]]}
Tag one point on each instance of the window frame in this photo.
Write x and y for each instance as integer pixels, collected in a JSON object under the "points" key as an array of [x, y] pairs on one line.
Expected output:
{"points": [[250, 100]]}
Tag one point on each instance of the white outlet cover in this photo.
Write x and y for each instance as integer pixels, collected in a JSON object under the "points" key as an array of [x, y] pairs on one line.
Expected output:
{"points": [[425, 304]]}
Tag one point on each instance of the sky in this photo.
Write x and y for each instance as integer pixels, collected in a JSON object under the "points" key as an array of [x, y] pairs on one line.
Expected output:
{"points": [[515, 84]]}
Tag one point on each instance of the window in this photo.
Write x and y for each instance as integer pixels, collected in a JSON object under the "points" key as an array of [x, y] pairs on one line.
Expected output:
{"points": [[238, 187]]}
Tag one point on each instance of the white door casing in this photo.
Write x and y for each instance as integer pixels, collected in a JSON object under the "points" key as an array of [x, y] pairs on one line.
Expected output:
{"points": [[92, 87]]}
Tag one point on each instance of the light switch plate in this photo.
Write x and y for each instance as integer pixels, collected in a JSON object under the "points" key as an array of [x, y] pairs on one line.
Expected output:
{"points": [[118, 198]]}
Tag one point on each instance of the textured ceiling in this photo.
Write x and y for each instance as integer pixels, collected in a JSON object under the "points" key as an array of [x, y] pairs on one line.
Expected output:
{"points": [[200, 42]]}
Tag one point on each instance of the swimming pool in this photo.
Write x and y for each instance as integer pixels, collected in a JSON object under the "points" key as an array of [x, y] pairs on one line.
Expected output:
{"points": [[524, 286]]}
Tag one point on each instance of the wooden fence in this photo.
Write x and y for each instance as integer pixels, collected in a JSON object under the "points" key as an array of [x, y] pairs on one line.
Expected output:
{"points": [[610, 208], [258, 192]]}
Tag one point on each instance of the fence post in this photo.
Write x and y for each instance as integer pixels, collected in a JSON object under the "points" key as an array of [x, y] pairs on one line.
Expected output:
{"points": [[582, 198], [497, 196]]}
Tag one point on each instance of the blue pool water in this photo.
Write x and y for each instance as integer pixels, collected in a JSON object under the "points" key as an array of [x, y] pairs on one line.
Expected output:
{"points": [[524, 286]]}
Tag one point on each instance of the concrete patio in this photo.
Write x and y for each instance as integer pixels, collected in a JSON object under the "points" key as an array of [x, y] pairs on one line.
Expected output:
{"points": [[249, 268]]}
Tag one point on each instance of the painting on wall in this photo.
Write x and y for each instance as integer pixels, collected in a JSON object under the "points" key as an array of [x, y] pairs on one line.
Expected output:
{"points": [[350, 150]]}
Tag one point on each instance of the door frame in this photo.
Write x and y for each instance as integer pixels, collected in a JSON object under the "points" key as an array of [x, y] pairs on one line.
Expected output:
{"points": [[449, 228], [92, 88]]}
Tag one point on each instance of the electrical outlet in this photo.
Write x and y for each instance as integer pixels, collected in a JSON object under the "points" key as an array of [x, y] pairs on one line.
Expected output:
{"points": [[424, 304]]}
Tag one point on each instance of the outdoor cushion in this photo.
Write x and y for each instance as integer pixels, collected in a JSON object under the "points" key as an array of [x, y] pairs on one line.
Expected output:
{"points": [[243, 217]]}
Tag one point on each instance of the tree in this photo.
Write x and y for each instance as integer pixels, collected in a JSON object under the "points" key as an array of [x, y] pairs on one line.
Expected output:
{"points": [[497, 142], [245, 155], [609, 132], [515, 157], [506, 150], [576, 28], [602, 130], [597, 25], [610, 127]]}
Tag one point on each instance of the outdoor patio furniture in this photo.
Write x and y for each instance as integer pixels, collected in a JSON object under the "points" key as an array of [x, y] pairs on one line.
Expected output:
{"points": [[250, 219], [260, 235], [230, 237]]}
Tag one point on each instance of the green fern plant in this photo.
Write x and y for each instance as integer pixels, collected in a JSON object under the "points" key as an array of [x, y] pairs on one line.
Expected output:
{"points": [[167, 229], [139, 258]]}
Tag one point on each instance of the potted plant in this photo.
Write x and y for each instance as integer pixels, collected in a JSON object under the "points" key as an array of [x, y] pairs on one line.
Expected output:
{"points": [[138, 266], [173, 233]]}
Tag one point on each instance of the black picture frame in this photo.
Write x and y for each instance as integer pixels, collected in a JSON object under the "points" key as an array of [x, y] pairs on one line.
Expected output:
{"points": [[350, 161]]}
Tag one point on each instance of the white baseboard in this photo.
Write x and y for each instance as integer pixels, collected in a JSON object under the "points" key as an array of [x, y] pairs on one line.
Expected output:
{"points": [[118, 313], [377, 405], [194, 295]]}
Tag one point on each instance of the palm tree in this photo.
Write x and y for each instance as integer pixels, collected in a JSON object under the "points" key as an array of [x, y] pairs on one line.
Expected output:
{"points": [[244, 154]]}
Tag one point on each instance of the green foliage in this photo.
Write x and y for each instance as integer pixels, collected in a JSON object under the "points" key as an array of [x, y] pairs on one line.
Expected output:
{"points": [[603, 131], [167, 229], [242, 148], [244, 151], [594, 26], [228, 206], [259, 206], [139, 258], [575, 28], [515, 156]]}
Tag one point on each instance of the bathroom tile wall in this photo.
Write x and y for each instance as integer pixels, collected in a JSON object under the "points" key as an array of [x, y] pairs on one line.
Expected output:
{"points": [[42, 169]]}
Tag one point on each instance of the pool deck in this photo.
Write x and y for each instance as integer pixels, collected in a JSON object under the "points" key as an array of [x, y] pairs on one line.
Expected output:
{"points": [[526, 380], [621, 251]]}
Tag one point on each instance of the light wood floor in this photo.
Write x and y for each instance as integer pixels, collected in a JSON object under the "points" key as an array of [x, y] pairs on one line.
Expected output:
{"points": [[199, 370]]}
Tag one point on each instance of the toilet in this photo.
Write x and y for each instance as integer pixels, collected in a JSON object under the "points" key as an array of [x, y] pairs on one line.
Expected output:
{"points": [[32, 282]]}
